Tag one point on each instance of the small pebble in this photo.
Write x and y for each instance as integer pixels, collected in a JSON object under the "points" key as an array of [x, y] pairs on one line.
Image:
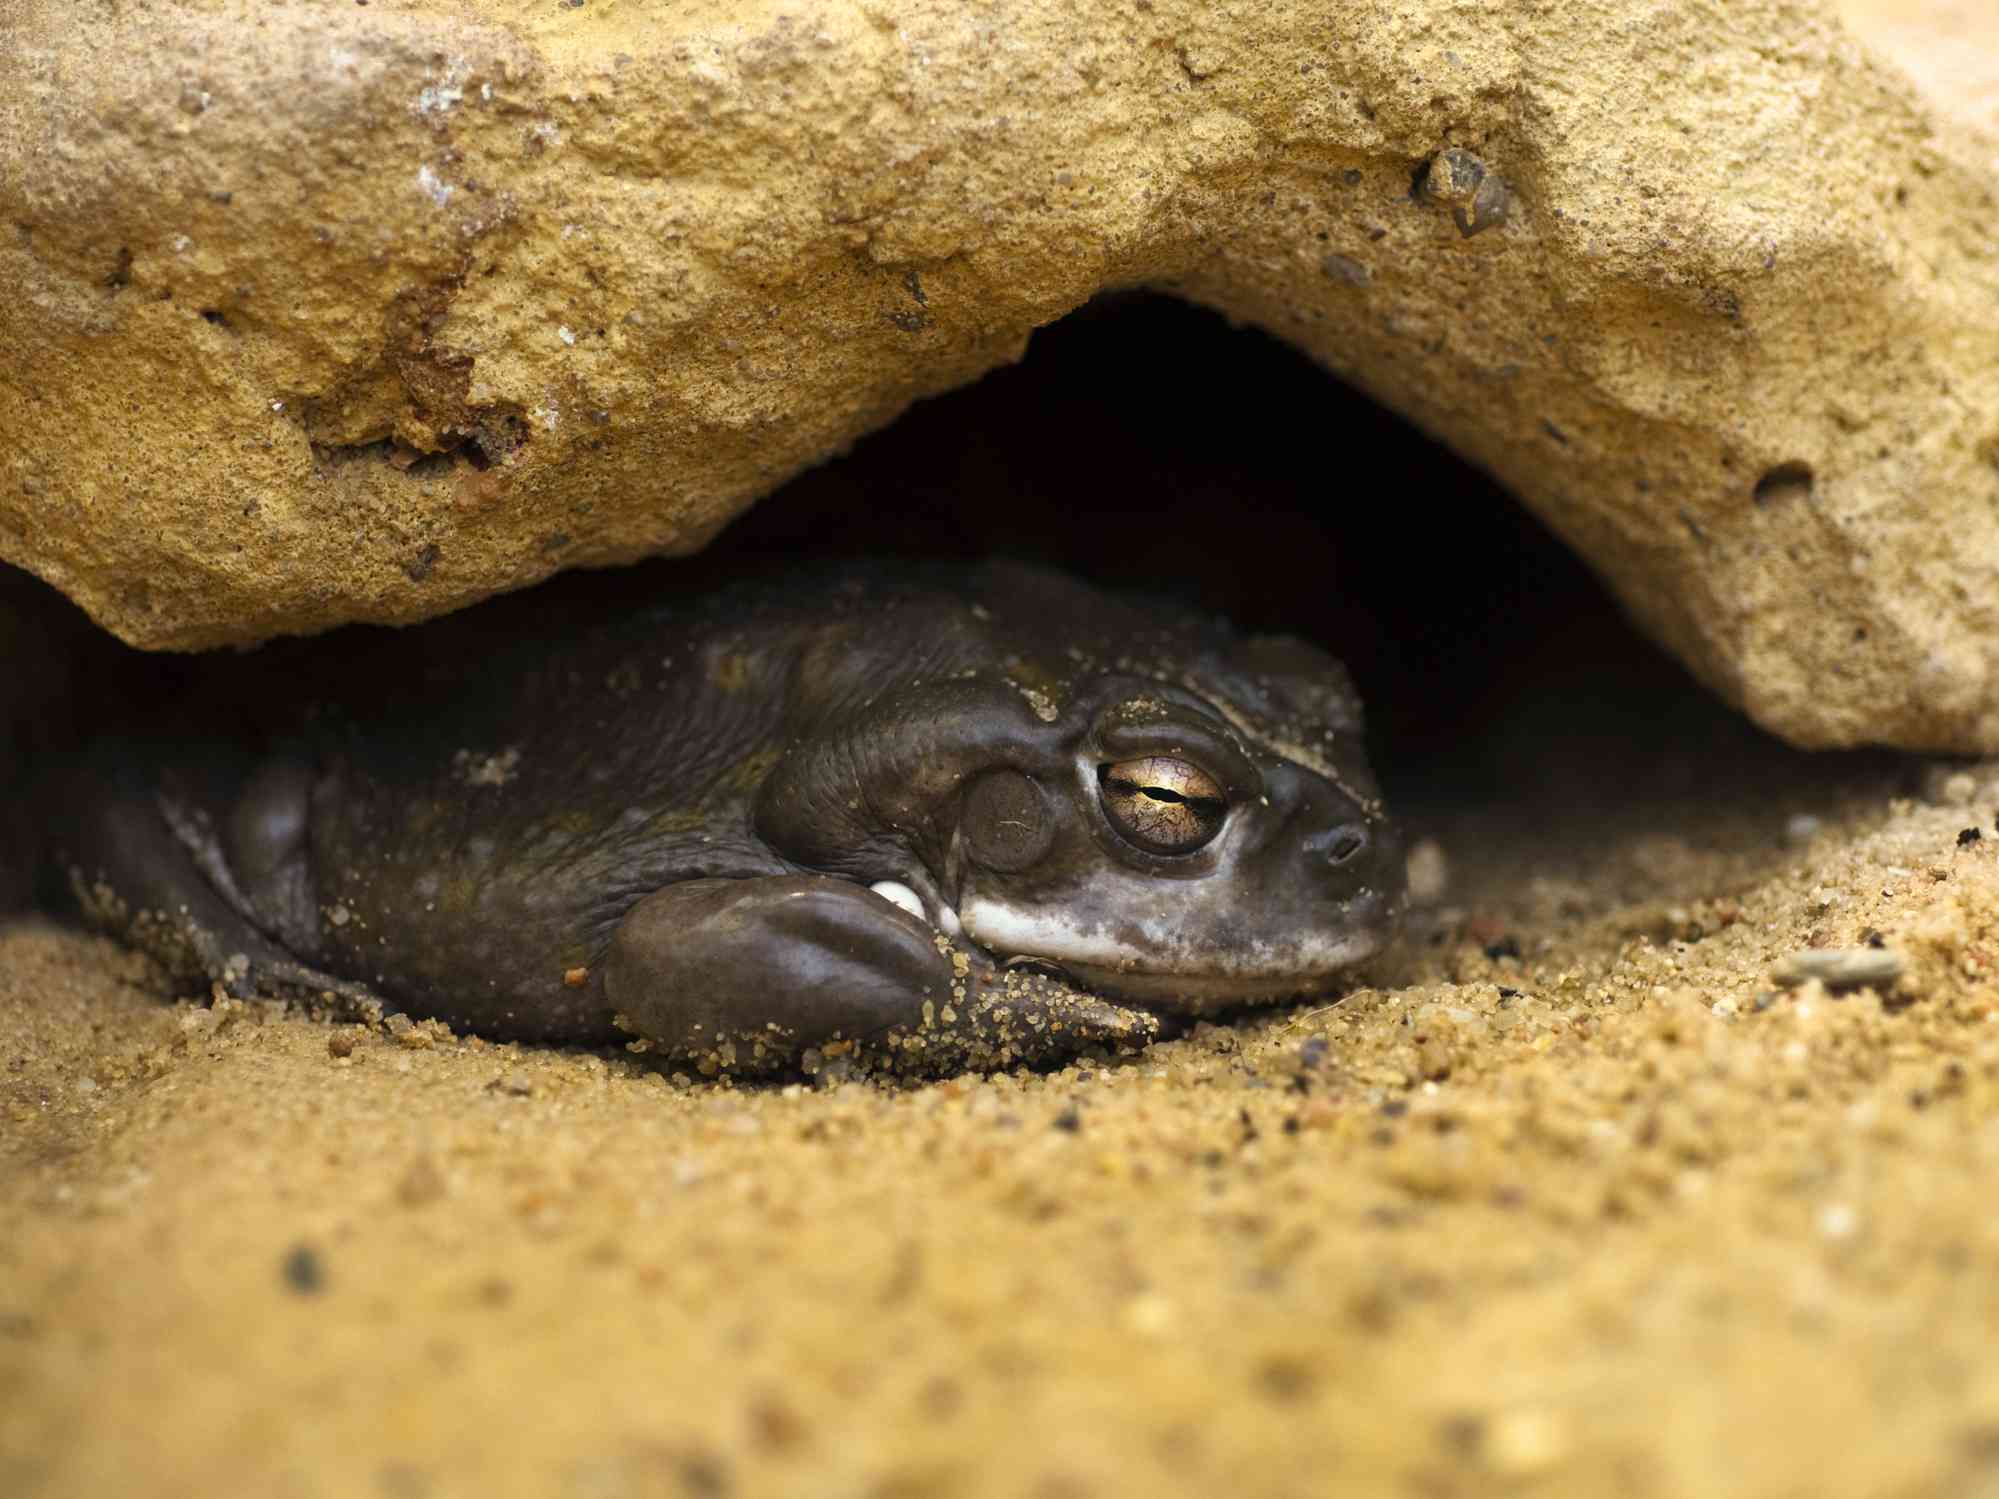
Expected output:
{"points": [[1429, 873], [1344, 269], [340, 1044], [1802, 829], [421, 1183], [409, 1033], [1957, 790], [304, 1271], [1841, 967]]}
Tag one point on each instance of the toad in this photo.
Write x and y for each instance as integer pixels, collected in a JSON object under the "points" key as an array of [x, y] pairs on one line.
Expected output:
{"points": [[955, 816]]}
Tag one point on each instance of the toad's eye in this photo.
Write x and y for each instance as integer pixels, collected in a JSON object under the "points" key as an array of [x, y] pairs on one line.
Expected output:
{"points": [[1163, 805]]}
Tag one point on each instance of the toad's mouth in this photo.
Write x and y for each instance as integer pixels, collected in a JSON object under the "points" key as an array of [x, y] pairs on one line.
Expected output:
{"points": [[1169, 974], [1199, 993]]}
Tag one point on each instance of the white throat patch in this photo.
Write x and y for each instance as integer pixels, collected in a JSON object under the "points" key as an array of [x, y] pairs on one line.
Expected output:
{"points": [[1164, 948]]}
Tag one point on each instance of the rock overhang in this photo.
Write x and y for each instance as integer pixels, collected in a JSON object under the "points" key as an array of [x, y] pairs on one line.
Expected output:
{"points": [[331, 313]]}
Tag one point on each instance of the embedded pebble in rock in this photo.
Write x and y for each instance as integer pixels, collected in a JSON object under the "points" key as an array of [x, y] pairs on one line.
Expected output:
{"points": [[323, 313], [305, 1270], [1478, 200]]}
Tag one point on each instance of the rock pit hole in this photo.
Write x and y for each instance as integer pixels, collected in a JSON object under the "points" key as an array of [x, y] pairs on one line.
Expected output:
{"points": [[1787, 481]]}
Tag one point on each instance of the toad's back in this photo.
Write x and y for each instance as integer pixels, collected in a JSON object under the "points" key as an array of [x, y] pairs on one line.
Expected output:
{"points": [[476, 832]]}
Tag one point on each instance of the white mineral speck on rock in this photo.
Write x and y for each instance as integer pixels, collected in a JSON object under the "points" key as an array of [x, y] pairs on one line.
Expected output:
{"points": [[1837, 1220], [1526, 1442], [1150, 1315], [433, 186], [566, 336]]}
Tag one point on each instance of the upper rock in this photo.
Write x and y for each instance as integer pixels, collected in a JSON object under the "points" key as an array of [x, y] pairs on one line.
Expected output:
{"points": [[326, 312]]}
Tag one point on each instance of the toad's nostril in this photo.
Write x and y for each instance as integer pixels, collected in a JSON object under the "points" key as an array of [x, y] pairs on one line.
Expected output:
{"points": [[1345, 844]]}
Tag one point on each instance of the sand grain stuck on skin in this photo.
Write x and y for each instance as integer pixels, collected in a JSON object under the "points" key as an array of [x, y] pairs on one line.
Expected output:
{"points": [[1614, 1215]]}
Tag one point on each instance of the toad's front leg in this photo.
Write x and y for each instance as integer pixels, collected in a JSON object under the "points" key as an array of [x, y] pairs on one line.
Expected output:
{"points": [[757, 972]]}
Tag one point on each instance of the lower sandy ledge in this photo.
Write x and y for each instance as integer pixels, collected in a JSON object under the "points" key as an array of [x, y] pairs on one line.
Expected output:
{"points": [[1615, 1214]]}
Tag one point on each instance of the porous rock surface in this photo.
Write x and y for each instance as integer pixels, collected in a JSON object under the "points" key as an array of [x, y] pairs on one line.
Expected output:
{"points": [[322, 312]]}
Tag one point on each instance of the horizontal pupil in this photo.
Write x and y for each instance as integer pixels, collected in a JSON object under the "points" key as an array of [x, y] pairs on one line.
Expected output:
{"points": [[1206, 806], [1203, 804]]}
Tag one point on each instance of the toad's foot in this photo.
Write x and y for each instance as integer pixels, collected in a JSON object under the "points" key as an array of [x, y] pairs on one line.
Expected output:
{"points": [[802, 971]]}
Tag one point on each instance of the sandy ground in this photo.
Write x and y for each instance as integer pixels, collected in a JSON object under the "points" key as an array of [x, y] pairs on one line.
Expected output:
{"points": [[1615, 1215]]}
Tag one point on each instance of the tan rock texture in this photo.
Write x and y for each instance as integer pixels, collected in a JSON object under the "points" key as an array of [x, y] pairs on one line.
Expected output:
{"points": [[1950, 48], [323, 312]]}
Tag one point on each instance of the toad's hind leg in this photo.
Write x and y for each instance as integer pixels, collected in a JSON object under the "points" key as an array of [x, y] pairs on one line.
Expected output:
{"points": [[756, 972], [131, 874]]}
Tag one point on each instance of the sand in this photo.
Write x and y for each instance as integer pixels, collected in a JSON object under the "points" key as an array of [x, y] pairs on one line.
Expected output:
{"points": [[1615, 1215]]}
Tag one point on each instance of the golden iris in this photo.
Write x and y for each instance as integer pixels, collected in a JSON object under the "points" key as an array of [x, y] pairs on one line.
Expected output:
{"points": [[1164, 805]]}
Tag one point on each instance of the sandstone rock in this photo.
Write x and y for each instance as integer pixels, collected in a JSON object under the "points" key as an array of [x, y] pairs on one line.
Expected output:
{"points": [[324, 312], [1949, 47]]}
